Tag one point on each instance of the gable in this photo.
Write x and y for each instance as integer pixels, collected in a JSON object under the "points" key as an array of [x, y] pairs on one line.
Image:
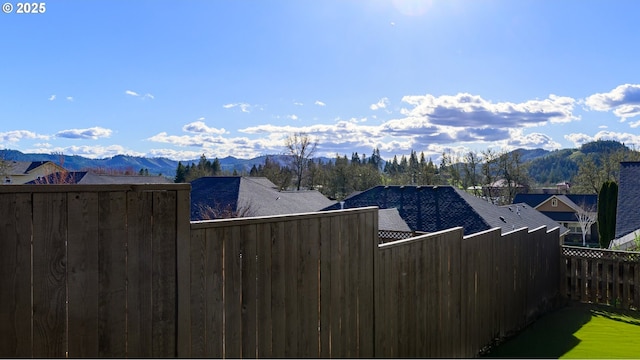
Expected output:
{"points": [[560, 205]]}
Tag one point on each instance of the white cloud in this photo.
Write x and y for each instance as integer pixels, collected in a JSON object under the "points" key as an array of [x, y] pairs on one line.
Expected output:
{"points": [[92, 152], [530, 141], [297, 103], [381, 104], [466, 110], [201, 127], [292, 117], [135, 94], [320, 103], [176, 154], [624, 101], [622, 95], [69, 98], [52, 97], [628, 139], [15, 136], [93, 133], [244, 107]]}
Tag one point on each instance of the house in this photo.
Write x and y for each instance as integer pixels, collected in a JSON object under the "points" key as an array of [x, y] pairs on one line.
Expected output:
{"points": [[239, 196], [436, 208], [22, 172], [628, 208], [564, 210]]}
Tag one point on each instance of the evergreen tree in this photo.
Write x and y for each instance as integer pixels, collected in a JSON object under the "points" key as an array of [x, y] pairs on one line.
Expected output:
{"points": [[607, 205], [253, 171], [216, 168], [181, 173]]}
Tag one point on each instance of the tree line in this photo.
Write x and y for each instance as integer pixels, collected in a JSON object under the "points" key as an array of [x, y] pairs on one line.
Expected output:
{"points": [[495, 175]]}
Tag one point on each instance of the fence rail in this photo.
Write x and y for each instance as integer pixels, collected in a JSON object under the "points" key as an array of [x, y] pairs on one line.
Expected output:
{"points": [[601, 276]]}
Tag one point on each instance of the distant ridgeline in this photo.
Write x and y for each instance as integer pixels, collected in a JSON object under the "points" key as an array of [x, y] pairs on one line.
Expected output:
{"points": [[544, 166], [155, 166]]}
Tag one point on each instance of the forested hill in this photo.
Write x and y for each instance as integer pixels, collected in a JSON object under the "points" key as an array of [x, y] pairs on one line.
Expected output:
{"points": [[552, 167]]}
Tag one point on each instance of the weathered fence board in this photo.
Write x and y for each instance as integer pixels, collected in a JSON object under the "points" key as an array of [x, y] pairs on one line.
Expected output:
{"points": [[15, 276], [103, 262], [292, 286]]}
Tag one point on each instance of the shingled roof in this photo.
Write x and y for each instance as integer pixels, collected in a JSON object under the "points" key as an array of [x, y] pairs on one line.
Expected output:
{"points": [[85, 178], [628, 209], [249, 196], [436, 208], [23, 167]]}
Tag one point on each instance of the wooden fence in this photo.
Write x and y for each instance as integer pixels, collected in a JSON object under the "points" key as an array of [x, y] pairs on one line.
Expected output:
{"points": [[601, 276], [119, 271], [287, 286], [90, 271], [445, 295]]}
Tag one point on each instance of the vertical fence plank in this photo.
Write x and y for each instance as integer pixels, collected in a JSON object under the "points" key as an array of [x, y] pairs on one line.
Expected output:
{"points": [[215, 285], [350, 276], [183, 273], [112, 237], [292, 318], [139, 273], [164, 274], [83, 260], [15, 276], [232, 293], [337, 288], [198, 294], [278, 288], [308, 286], [49, 275], [325, 286], [367, 243], [263, 295], [249, 326]]}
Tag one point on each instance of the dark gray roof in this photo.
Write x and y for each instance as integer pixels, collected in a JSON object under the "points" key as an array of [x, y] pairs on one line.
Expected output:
{"points": [[91, 178], [250, 196], [23, 167], [436, 208], [628, 209], [84, 177], [390, 219]]}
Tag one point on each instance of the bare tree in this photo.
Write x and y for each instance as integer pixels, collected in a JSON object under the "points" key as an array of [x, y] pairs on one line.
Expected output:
{"points": [[220, 211], [301, 148], [585, 218]]}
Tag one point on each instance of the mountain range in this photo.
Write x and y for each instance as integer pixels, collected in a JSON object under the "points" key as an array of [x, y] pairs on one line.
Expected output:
{"points": [[544, 166]]}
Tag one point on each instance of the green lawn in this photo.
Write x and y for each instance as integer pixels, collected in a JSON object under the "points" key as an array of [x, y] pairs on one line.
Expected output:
{"points": [[578, 331]]}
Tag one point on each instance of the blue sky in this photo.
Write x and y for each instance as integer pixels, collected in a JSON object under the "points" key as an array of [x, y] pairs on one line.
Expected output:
{"points": [[183, 78]]}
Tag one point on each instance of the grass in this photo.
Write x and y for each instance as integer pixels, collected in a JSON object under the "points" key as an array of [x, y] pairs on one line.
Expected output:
{"points": [[578, 331]]}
